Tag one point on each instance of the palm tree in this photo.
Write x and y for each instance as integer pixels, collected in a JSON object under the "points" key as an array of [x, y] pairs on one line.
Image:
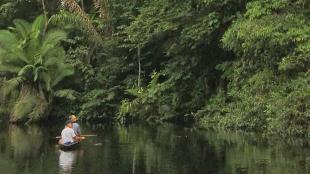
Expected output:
{"points": [[34, 63], [79, 18]]}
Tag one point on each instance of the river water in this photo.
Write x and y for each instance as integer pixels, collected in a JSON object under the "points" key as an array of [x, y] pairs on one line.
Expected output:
{"points": [[145, 149]]}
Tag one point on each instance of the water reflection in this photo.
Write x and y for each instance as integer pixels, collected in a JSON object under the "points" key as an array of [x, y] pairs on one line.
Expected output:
{"points": [[20, 148], [25, 142], [145, 149], [67, 159]]}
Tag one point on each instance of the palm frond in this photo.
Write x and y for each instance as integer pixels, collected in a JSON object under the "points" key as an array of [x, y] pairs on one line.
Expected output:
{"points": [[46, 80], [26, 69], [9, 102], [54, 57], [9, 68], [24, 104], [39, 108], [61, 73], [31, 104], [37, 72], [8, 40], [75, 8], [52, 38], [37, 26], [79, 19], [66, 93], [14, 56], [22, 108], [22, 28], [33, 51], [10, 85], [10, 49]]}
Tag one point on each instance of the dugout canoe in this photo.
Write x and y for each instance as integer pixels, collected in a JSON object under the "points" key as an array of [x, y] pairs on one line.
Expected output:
{"points": [[69, 147]]}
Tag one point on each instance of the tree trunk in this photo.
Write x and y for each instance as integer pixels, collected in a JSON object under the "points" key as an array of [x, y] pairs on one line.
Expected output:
{"points": [[139, 63], [45, 17]]}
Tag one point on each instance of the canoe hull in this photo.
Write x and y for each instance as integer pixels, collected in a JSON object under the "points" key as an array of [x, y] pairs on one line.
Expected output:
{"points": [[69, 147]]}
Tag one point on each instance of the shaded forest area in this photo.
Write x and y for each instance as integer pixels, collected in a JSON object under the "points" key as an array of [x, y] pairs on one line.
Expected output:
{"points": [[219, 63]]}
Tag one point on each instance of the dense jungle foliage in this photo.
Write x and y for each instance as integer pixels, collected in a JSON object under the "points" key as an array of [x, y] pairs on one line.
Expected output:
{"points": [[220, 63]]}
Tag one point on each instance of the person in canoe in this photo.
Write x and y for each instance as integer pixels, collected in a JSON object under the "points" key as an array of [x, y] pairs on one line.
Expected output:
{"points": [[68, 135], [75, 125]]}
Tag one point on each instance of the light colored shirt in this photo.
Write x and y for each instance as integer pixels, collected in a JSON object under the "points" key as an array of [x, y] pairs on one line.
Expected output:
{"points": [[67, 135], [76, 128]]}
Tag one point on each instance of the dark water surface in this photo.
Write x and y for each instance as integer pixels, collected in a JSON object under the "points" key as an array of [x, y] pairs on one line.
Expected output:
{"points": [[142, 149]]}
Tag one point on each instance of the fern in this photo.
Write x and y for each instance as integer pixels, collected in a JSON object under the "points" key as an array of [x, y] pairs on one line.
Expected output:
{"points": [[22, 27], [26, 69], [24, 104], [37, 63], [37, 26], [40, 107], [10, 85], [52, 38], [78, 18], [66, 93]]}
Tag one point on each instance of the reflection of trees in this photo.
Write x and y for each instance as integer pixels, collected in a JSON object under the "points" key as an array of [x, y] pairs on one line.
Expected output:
{"points": [[19, 148], [171, 149], [143, 149], [161, 149], [177, 150], [251, 153], [4, 162], [25, 142]]}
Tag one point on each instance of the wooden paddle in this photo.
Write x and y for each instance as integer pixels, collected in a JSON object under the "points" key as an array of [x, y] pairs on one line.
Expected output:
{"points": [[59, 137]]}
